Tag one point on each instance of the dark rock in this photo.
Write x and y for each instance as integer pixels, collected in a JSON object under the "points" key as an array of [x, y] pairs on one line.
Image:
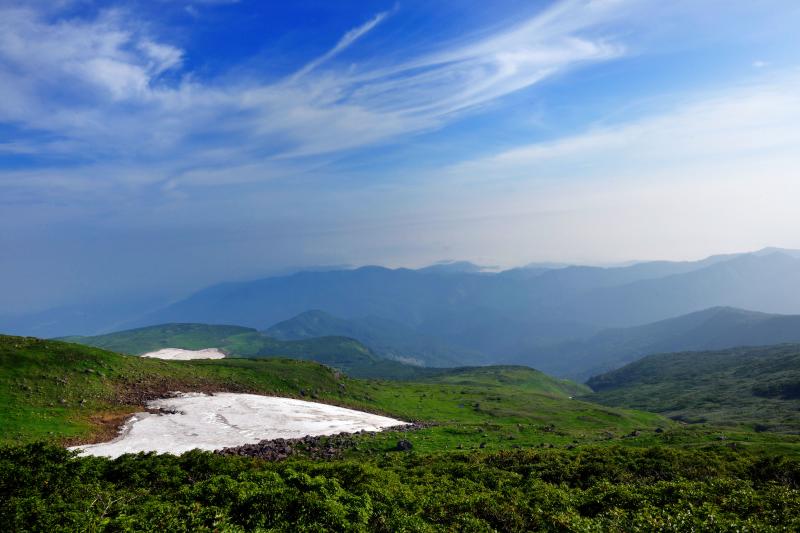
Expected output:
{"points": [[659, 430], [320, 447], [482, 445], [404, 445]]}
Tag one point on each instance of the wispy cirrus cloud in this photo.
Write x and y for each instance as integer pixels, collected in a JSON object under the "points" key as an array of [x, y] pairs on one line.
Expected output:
{"points": [[345, 42], [109, 89]]}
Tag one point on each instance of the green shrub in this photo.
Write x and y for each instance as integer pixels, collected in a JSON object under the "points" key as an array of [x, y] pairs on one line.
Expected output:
{"points": [[45, 488]]}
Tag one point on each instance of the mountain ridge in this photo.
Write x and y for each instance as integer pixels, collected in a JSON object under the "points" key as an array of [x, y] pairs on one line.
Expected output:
{"points": [[710, 329], [452, 315]]}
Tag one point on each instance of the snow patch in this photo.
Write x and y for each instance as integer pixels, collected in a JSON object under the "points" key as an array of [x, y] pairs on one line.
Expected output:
{"points": [[179, 354], [212, 422]]}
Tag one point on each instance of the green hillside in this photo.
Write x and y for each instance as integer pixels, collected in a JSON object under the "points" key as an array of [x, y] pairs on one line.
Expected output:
{"points": [[388, 338], [515, 376], [186, 336], [343, 353], [68, 392], [758, 387]]}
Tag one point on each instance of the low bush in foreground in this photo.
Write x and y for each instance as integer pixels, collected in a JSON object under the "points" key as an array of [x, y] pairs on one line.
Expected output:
{"points": [[44, 487]]}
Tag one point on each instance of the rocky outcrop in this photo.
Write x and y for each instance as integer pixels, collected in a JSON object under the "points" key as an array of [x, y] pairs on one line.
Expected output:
{"points": [[320, 447]]}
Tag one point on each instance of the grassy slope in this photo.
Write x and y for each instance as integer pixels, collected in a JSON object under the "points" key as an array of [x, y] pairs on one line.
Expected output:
{"points": [[516, 376], [343, 353], [739, 386], [475, 406], [186, 336]]}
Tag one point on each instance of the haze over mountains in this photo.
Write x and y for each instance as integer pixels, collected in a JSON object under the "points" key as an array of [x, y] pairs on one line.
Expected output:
{"points": [[712, 329], [390, 339], [572, 321]]}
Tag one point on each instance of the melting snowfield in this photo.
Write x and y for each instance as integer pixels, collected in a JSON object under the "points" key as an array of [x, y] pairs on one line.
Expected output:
{"points": [[179, 354], [211, 422]]}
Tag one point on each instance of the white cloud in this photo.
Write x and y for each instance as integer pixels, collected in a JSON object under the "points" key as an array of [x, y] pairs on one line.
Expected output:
{"points": [[97, 85], [716, 173], [753, 123], [345, 42]]}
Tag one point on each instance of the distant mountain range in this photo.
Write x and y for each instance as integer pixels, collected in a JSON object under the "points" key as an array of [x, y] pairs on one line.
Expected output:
{"points": [[712, 329], [455, 313]]}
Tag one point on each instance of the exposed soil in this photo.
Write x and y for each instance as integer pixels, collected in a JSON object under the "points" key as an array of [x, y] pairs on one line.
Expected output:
{"points": [[141, 391], [106, 425]]}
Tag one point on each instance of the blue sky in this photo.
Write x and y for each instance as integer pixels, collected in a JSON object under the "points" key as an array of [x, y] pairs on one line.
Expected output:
{"points": [[158, 146]]}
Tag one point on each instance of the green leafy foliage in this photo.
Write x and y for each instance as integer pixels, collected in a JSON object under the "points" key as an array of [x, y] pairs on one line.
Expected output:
{"points": [[593, 489]]}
